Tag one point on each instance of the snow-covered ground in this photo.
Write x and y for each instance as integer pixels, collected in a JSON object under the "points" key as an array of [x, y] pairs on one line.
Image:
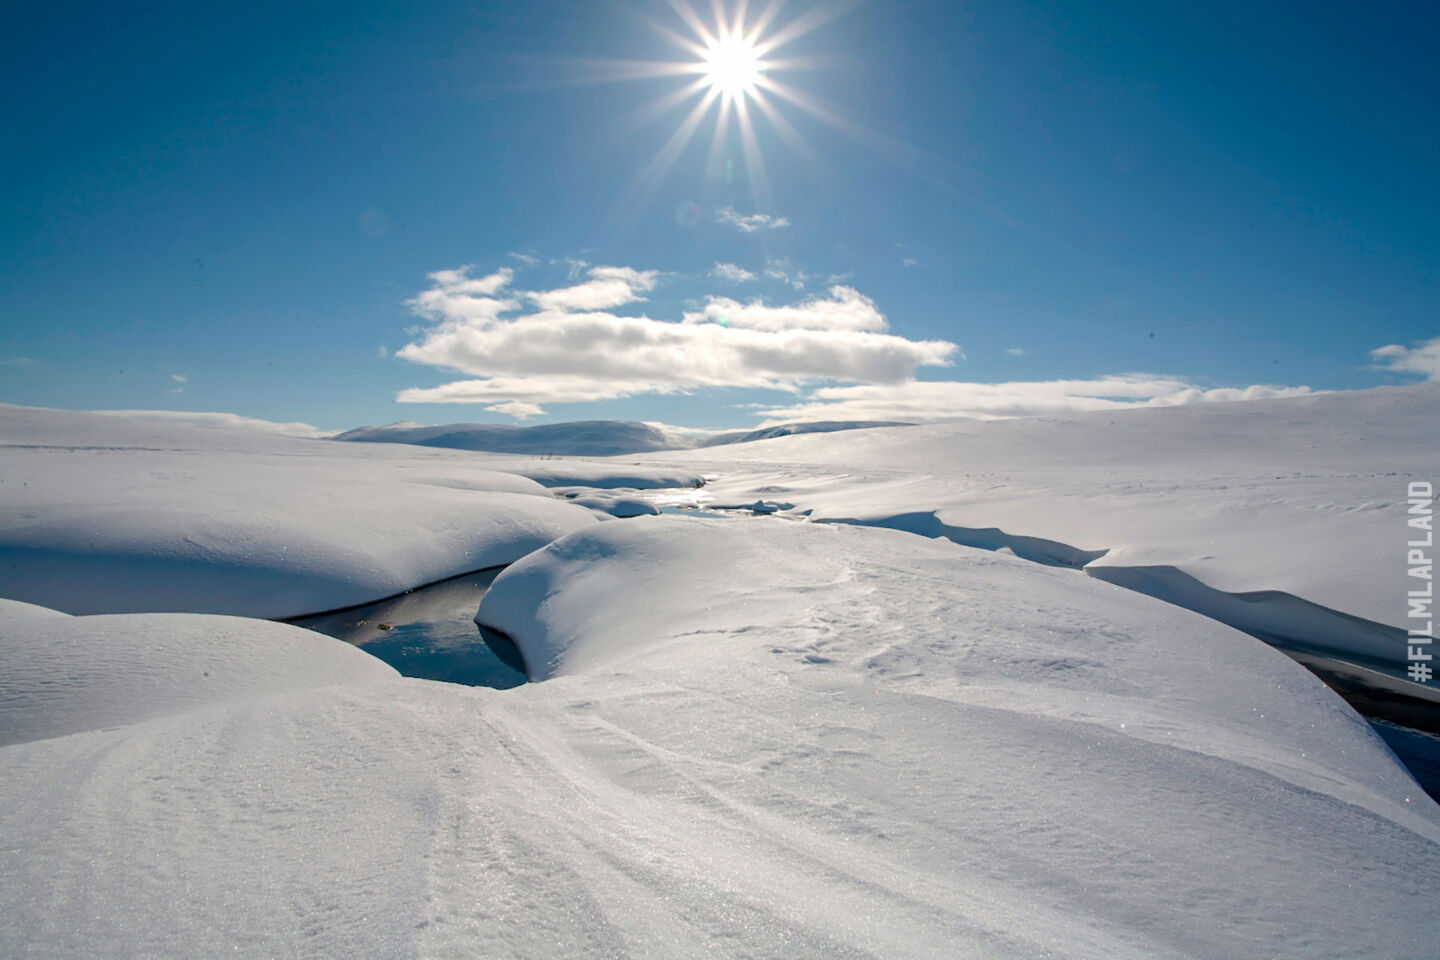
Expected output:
{"points": [[1285, 517], [106, 514], [749, 738]]}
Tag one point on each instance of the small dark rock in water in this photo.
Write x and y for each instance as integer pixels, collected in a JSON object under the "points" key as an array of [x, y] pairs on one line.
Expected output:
{"points": [[383, 626]]}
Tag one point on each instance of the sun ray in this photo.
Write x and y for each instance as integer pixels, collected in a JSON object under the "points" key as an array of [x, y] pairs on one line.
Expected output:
{"points": [[816, 16], [660, 106], [692, 20], [656, 171], [754, 159], [786, 130], [718, 140], [733, 46], [762, 22]]}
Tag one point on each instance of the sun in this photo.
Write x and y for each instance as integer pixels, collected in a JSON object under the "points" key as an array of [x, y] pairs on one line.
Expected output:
{"points": [[732, 65], [730, 70]]}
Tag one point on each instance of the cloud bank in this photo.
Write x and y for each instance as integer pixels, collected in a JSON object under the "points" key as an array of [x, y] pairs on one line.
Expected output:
{"points": [[930, 401], [520, 350], [525, 348], [1423, 359]]}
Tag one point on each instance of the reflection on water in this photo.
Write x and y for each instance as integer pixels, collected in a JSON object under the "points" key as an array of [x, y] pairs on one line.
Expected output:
{"points": [[428, 633], [676, 510], [1405, 714], [1419, 751]]}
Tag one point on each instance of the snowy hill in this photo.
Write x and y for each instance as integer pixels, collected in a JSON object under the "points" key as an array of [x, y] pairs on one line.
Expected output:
{"points": [[1279, 516], [790, 429], [583, 438]]}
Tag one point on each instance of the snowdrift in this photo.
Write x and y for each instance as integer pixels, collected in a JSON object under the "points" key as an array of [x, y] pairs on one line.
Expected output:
{"points": [[758, 739], [990, 735], [1286, 518], [580, 438], [65, 674], [105, 514]]}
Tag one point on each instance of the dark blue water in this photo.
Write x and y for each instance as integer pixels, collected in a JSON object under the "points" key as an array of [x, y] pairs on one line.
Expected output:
{"points": [[428, 633], [1418, 750]]}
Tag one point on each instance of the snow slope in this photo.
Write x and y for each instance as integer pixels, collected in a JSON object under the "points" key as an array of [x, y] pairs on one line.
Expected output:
{"points": [[67, 674], [580, 438], [1272, 515], [759, 739], [104, 514], [585, 438]]}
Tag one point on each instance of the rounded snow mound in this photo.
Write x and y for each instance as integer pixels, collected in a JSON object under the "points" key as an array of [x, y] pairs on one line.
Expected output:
{"points": [[66, 675]]}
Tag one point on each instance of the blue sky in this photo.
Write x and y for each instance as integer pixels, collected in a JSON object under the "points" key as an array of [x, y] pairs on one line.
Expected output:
{"points": [[1004, 208]]}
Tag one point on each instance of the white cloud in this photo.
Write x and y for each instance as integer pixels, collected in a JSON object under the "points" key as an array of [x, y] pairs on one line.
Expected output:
{"points": [[607, 287], [17, 362], [577, 267], [783, 271], [179, 378], [525, 259], [749, 223], [1014, 352], [570, 349], [845, 309], [225, 420], [517, 409], [730, 272], [1423, 359], [953, 400], [908, 261], [382, 351], [456, 297]]}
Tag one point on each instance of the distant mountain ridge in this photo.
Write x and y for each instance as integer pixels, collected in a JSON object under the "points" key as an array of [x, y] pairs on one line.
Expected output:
{"points": [[580, 438]]}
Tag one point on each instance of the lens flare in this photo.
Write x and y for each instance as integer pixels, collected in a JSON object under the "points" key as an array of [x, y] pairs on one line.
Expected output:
{"points": [[732, 66], [730, 70]]}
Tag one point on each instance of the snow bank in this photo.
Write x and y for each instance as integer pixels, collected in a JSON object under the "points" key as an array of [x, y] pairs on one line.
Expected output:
{"points": [[585, 438], [609, 503], [964, 728], [760, 739], [66, 674], [605, 474], [1221, 507], [101, 514]]}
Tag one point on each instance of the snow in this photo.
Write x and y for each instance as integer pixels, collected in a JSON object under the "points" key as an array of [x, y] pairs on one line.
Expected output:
{"points": [[748, 737], [1219, 507], [102, 514], [1101, 759], [582, 438], [66, 675], [609, 503], [759, 738], [586, 438]]}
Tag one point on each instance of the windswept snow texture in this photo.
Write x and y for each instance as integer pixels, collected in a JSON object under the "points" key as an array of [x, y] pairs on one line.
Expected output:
{"points": [[759, 739], [930, 750], [99, 514], [66, 675], [1302, 498]]}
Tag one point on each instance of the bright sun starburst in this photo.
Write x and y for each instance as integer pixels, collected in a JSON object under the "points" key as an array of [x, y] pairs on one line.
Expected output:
{"points": [[732, 66], [730, 71]]}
